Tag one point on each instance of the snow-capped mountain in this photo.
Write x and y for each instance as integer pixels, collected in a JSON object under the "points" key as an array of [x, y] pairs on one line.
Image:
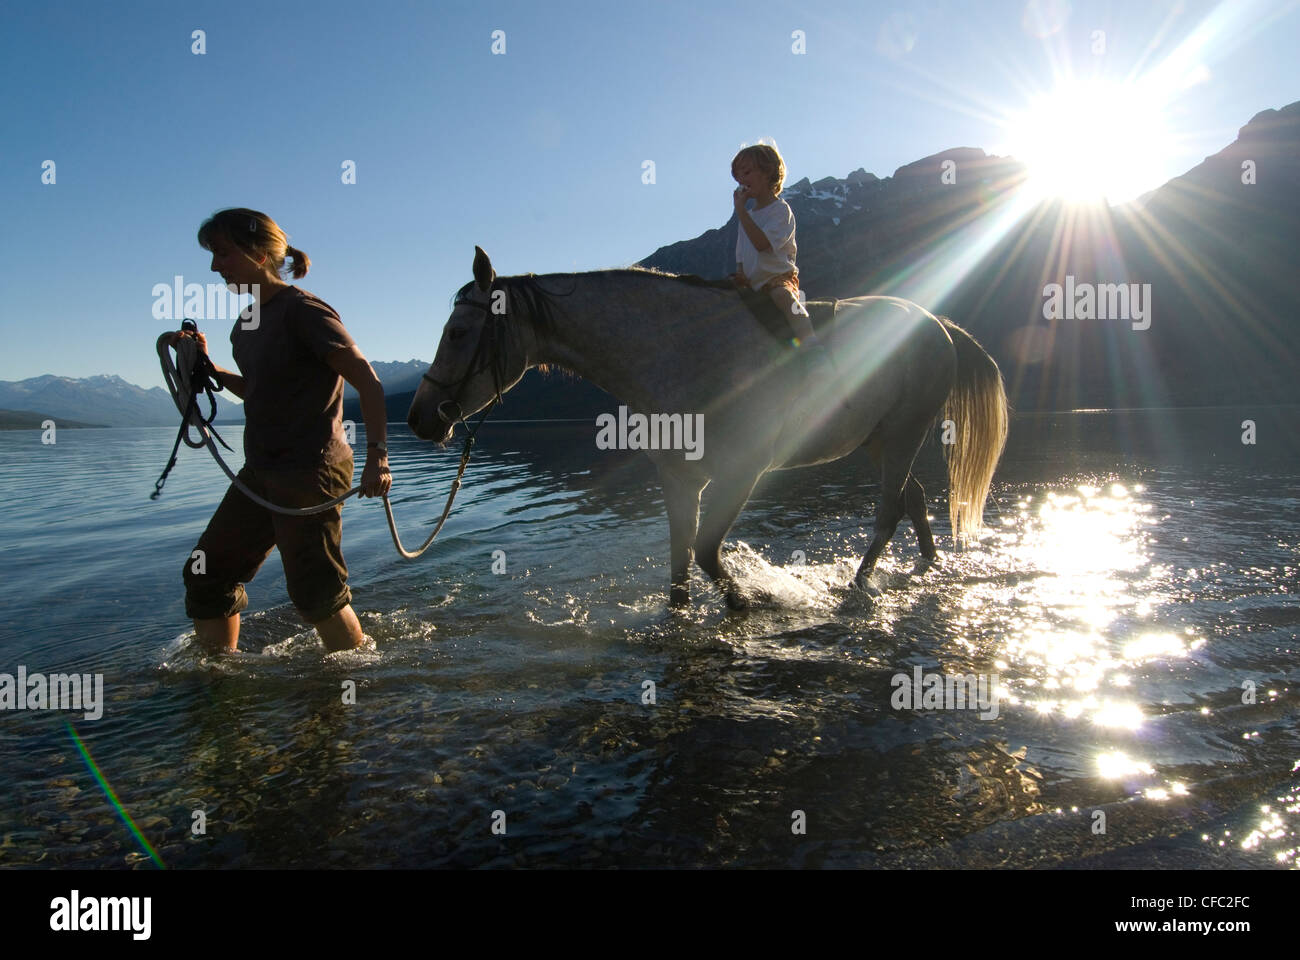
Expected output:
{"points": [[105, 399], [1215, 248]]}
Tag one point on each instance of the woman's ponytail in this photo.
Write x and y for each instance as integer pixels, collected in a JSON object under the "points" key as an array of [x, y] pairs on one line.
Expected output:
{"points": [[301, 263]]}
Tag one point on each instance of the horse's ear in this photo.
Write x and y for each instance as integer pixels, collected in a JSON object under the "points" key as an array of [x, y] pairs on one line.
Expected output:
{"points": [[483, 272]]}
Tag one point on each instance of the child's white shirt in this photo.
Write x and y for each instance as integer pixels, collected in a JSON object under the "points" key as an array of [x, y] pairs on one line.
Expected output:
{"points": [[776, 220]]}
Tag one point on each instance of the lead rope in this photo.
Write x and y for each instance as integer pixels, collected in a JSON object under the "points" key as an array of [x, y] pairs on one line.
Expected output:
{"points": [[185, 388]]}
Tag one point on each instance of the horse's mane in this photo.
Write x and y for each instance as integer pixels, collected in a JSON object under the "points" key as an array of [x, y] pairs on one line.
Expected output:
{"points": [[690, 278], [540, 307], [539, 303], [637, 272]]}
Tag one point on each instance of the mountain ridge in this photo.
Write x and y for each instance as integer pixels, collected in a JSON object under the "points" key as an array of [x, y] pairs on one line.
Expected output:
{"points": [[1213, 247]]}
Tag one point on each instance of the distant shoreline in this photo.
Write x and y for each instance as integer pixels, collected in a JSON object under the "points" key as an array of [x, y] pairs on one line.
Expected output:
{"points": [[31, 420]]}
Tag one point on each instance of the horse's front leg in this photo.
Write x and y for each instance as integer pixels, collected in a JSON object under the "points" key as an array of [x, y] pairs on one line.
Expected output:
{"points": [[725, 504], [682, 498]]}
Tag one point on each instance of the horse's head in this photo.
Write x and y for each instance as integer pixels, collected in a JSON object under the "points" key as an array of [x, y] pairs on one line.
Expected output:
{"points": [[478, 359]]}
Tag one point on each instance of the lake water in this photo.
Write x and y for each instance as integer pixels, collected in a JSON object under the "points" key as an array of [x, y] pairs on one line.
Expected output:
{"points": [[1134, 593]]}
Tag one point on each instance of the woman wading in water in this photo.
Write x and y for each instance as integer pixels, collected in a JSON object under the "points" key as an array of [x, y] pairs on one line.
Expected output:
{"points": [[292, 365]]}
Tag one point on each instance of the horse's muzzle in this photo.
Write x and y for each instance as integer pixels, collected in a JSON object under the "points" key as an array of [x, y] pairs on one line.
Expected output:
{"points": [[429, 428]]}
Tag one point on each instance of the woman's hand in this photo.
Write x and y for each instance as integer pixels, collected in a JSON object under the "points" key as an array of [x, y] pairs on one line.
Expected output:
{"points": [[376, 479], [203, 341], [174, 337]]}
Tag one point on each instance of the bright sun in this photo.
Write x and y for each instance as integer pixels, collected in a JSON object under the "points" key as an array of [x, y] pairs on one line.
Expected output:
{"points": [[1092, 140]]}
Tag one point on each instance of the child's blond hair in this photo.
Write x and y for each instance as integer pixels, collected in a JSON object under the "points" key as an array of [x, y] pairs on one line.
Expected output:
{"points": [[767, 158]]}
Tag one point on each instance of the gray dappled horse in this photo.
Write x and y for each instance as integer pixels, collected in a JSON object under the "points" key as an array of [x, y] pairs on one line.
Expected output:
{"points": [[664, 344]]}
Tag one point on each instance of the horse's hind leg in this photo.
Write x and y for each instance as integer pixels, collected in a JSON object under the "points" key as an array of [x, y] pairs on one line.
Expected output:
{"points": [[897, 451], [725, 504], [914, 501], [888, 512]]}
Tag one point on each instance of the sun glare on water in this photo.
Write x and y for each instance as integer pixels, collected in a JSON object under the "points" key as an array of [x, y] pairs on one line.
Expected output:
{"points": [[1092, 140]]}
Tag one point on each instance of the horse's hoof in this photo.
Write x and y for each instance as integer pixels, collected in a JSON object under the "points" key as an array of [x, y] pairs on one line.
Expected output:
{"points": [[737, 601], [679, 597], [864, 585]]}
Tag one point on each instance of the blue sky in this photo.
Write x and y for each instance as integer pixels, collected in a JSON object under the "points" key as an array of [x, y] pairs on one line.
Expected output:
{"points": [[536, 155]]}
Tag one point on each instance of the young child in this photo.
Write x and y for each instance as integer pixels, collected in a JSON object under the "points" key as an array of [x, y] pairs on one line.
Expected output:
{"points": [[765, 247]]}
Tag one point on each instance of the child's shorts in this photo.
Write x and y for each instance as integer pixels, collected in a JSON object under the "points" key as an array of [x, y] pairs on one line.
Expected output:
{"points": [[789, 280], [240, 536]]}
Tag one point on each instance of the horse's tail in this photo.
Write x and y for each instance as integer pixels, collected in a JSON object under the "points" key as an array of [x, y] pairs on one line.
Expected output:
{"points": [[977, 407]]}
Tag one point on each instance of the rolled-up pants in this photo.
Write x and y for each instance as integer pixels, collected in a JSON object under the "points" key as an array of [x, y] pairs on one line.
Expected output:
{"points": [[240, 535]]}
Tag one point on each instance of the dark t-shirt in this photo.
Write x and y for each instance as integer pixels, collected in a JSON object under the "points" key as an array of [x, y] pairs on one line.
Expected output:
{"points": [[293, 400]]}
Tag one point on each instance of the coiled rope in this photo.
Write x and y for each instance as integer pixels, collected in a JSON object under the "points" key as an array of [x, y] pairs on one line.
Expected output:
{"points": [[192, 375]]}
